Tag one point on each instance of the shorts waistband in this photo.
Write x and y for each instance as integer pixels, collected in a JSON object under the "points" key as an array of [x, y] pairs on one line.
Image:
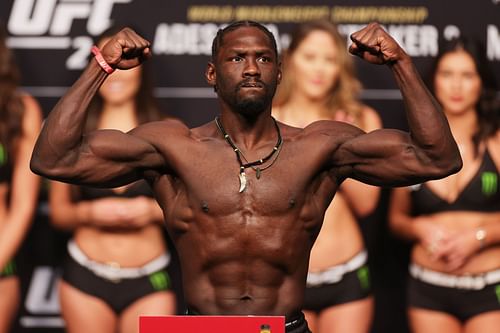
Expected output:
{"points": [[470, 282], [113, 271], [291, 322], [295, 321], [334, 274]]}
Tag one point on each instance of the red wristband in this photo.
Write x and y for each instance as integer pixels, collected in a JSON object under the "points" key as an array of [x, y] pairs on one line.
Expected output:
{"points": [[100, 60]]}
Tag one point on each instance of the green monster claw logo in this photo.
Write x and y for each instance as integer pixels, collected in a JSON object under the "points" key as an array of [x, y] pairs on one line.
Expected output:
{"points": [[489, 181], [160, 280], [497, 291], [364, 277], [3, 155], [9, 269]]}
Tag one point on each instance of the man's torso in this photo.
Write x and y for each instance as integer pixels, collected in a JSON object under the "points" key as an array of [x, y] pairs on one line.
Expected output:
{"points": [[248, 252]]}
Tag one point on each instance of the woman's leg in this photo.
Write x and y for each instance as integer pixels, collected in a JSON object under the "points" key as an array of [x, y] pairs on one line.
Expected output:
{"points": [[429, 321], [9, 301], [84, 313], [352, 317], [488, 322], [312, 320], [158, 303]]}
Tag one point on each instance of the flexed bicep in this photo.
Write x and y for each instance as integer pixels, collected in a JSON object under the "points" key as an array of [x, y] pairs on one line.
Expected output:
{"points": [[385, 157], [108, 158], [390, 157]]}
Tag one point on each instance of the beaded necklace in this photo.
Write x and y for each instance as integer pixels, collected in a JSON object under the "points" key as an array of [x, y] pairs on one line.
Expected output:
{"points": [[255, 164]]}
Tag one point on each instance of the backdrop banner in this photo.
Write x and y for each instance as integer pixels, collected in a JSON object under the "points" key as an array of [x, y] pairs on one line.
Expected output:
{"points": [[52, 41]]}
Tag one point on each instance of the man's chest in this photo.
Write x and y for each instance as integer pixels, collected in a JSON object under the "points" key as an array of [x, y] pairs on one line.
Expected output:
{"points": [[212, 173]]}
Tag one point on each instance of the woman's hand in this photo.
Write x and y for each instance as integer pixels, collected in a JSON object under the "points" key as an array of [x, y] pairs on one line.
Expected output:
{"points": [[456, 250], [430, 235], [129, 213]]}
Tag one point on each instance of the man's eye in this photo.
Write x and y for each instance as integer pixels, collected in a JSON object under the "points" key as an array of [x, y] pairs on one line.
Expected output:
{"points": [[264, 59], [236, 59]]}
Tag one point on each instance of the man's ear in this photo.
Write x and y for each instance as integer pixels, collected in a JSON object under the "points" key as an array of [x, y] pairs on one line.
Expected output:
{"points": [[210, 75]]}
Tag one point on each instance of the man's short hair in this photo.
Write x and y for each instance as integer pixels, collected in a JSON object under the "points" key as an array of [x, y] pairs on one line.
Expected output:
{"points": [[219, 38]]}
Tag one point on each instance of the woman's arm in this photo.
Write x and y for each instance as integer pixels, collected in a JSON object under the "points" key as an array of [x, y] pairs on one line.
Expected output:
{"points": [[361, 197], [422, 229], [68, 214], [24, 186]]}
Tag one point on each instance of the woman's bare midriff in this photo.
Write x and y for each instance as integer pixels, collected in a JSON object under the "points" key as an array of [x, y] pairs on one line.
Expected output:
{"points": [[128, 249], [483, 261], [340, 238]]}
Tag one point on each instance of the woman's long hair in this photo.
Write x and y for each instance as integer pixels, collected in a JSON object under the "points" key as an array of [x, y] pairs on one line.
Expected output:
{"points": [[146, 105], [11, 104], [345, 92], [487, 107]]}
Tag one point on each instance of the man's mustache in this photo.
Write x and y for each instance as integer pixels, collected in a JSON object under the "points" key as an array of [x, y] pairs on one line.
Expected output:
{"points": [[251, 83]]}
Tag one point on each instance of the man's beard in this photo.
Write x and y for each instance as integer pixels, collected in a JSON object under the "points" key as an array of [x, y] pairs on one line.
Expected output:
{"points": [[253, 105]]}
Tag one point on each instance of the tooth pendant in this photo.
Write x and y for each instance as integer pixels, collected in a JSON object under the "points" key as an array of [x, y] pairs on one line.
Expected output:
{"points": [[243, 182]]}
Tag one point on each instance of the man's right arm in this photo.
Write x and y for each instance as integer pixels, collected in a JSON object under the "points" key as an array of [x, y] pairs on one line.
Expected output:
{"points": [[105, 157]]}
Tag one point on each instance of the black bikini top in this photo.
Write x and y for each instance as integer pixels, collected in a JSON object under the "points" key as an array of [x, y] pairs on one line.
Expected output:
{"points": [[136, 189], [482, 193], [5, 165]]}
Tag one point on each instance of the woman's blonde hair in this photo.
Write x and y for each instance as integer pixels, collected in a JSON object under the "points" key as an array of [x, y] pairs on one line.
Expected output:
{"points": [[345, 92]]}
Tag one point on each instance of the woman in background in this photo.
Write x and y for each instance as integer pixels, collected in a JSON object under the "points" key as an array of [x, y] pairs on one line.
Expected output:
{"points": [[319, 83], [116, 268], [454, 222], [20, 122]]}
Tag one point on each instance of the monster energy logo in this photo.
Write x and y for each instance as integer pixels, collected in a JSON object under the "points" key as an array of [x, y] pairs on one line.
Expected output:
{"points": [[9, 269], [497, 291], [364, 277], [3, 155], [160, 280], [489, 181]]}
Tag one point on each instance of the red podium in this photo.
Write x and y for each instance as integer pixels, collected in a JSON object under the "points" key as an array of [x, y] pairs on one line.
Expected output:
{"points": [[212, 324]]}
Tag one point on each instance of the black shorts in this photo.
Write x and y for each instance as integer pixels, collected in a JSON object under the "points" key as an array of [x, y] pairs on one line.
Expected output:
{"points": [[118, 295], [8, 270], [460, 303], [294, 324], [297, 325], [354, 286]]}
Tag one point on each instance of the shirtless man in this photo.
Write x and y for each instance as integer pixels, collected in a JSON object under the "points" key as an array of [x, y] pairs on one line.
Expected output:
{"points": [[243, 196]]}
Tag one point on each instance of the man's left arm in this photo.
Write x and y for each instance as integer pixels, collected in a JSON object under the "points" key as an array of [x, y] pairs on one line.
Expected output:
{"points": [[392, 157]]}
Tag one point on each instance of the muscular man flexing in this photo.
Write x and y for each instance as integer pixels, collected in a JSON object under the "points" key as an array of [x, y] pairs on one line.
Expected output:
{"points": [[244, 196]]}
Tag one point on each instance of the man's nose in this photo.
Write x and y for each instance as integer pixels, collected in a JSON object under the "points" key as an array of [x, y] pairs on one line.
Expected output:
{"points": [[251, 68]]}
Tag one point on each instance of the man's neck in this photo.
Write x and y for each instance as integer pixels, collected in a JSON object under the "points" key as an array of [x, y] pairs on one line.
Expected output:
{"points": [[249, 131]]}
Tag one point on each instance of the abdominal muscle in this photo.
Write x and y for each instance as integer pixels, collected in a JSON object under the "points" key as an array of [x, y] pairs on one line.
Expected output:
{"points": [[236, 288]]}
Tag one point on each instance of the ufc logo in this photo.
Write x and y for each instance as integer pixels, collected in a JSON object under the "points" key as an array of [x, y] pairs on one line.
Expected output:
{"points": [[55, 17], [43, 297], [46, 24]]}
